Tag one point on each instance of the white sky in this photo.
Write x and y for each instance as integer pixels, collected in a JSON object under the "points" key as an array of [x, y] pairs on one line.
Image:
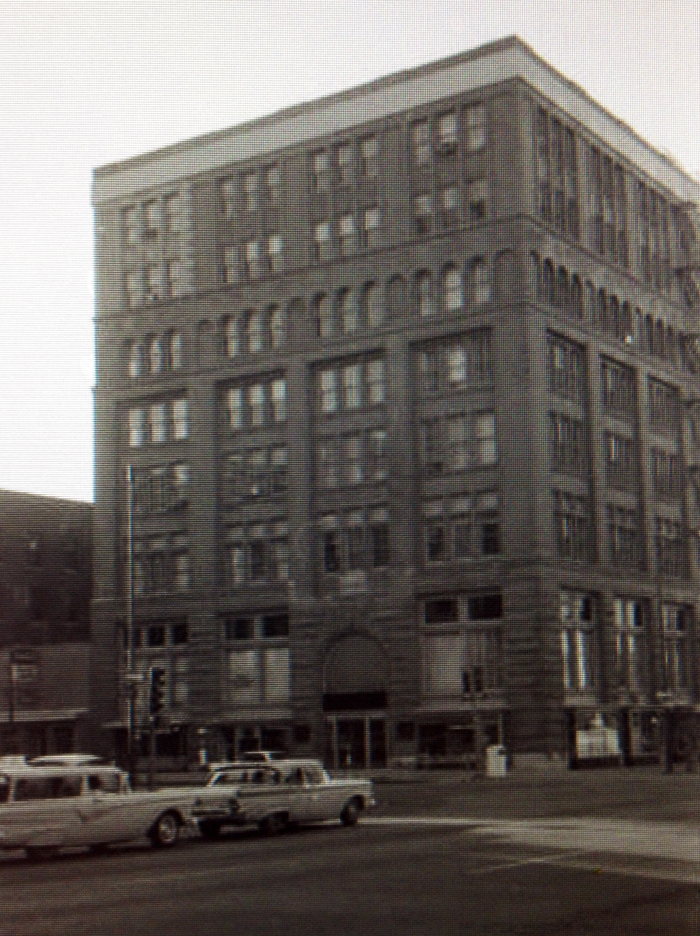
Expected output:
{"points": [[83, 84]]}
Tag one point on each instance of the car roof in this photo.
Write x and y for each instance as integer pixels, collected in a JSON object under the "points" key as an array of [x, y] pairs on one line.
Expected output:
{"points": [[289, 763], [68, 760]]}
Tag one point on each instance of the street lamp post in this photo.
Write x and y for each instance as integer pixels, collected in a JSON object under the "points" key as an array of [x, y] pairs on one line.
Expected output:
{"points": [[130, 675]]}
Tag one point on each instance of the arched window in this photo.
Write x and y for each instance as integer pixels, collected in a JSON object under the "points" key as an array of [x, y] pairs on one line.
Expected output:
{"points": [[206, 348], [323, 315], [649, 341], [452, 289], [535, 276], [347, 310], [255, 331], [155, 355], [591, 302], [671, 345], [659, 339], [504, 275], [615, 317], [425, 302], [562, 297], [277, 325], [396, 296], [232, 336], [576, 297], [175, 350], [602, 317], [548, 285], [134, 350], [372, 305], [479, 281]]}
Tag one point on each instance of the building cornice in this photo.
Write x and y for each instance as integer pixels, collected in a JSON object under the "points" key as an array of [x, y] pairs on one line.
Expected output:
{"points": [[492, 64]]}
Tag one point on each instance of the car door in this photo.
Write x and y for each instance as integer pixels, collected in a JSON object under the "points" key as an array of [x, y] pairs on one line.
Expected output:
{"points": [[44, 812], [320, 795], [109, 813]]}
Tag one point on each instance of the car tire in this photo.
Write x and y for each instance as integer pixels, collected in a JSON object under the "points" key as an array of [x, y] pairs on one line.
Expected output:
{"points": [[273, 824], [166, 831], [351, 812], [209, 830]]}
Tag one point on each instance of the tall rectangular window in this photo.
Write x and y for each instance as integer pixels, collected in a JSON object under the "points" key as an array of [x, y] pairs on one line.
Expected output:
{"points": [[475, 127], [369, 158], [323, 243], [422, 146], [321, 171], [577, 640]]}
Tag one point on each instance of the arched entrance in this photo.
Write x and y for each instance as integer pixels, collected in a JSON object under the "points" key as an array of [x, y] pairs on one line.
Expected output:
{"points": [[355, 682]]}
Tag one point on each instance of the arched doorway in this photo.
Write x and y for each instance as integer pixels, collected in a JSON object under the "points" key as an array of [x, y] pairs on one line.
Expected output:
{"points": [[355, 682]]}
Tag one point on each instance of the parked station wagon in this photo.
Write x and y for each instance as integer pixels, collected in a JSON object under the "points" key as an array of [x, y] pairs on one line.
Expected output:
{"points": [[47, 807]]}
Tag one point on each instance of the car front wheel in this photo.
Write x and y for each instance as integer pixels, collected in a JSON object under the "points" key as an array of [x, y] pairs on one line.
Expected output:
{"points": [[166, 831], [351, 813]]}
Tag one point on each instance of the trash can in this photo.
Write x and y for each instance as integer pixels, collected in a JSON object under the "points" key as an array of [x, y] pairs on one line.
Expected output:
{"points": [[496, 761]]}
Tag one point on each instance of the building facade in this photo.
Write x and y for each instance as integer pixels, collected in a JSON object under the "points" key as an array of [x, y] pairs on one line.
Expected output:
{"points": [[45, 591], [408, 384]]}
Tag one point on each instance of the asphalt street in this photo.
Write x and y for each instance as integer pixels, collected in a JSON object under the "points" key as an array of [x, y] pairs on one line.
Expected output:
{"points": [[412, 874]]}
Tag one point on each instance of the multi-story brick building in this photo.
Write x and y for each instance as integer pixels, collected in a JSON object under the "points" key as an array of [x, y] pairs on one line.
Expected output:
{"points": [[408, 381], [45, 587]]}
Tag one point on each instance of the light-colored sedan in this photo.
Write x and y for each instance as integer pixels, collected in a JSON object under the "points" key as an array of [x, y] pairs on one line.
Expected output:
{"points": [[274, 795]]}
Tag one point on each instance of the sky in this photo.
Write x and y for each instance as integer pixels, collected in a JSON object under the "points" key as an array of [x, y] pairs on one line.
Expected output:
{"points": [[87, 83]]}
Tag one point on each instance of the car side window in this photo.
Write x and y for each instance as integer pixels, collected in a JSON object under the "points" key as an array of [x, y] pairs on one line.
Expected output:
{"points": [[4, 789], [69, 786]]}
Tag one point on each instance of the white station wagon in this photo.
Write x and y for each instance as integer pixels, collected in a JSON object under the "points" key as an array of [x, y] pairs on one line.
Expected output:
{"points": [[47, 807], [274, 795]]}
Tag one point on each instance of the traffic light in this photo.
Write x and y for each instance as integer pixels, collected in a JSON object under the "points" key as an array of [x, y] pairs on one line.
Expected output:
{"points": [[156, 699]]}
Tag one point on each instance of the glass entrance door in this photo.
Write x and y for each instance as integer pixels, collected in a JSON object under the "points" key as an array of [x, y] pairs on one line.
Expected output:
{"points": [[359, 742]]}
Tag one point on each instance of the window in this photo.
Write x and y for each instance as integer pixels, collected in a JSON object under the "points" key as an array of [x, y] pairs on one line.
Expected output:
{"points": [[255, 331], [172, 211], [625, 537], [621, 461], [357, 540], [253, 259], [577, 640], [569, 451], [258, 673], [255, 405], [363, 385], [180, 424], [347, 235], [447, 132], [175, 350], [323, 315], [131, 225], [162, 488], [155, 356], [458, 363], [671, 555], [175, 275], [619, 390], [423, 212], [135, 366], [630, 640], [458, 443], [230, 264], [676, 622], [567, 369], [372, 228], [328, 463], [420, 138], [275, 253], [372, 306], [320, 171], [134, 283], [369, 158], [348, 311], [154, 287], [573, 526], [161, 564], [160, 422], [273, 184], [424, 294], [251, 191], [664, 406], [453, 290], [475, 127], [233, 344], [666, 474], [346, 163], [463, 527], [137, 423], [449, 206], [322, 241], [480, 281], [257, 553], [152, 219], [477, 196], [227, 197], [277, 319]]}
